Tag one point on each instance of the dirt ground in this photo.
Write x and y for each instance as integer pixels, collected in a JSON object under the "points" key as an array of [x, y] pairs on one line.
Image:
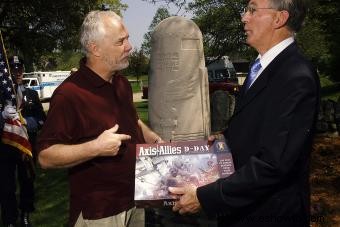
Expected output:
{"points": [[325, 181]]}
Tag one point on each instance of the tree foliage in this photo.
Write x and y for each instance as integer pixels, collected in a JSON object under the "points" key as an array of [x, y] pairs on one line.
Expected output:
{"points": [[320, 36], [64, 60], [139, 64], [35, 29], [180, 4], [220, 23], [161, 14]]}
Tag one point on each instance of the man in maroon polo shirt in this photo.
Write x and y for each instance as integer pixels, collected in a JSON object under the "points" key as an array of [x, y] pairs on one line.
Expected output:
{"points": [[92, 128]]}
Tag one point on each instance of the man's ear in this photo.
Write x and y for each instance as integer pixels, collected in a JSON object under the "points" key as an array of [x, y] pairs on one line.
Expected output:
{"points": [[281, 18], [94, 49]]}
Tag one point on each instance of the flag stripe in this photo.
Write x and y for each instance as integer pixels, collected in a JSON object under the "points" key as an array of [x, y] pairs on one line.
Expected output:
{"points": [[18, 139], [16, 136], [14, 133], [15, 129], [17, 145]]}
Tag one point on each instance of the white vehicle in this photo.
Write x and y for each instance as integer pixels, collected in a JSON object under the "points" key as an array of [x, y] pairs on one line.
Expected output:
{"points": [[44, 82]]}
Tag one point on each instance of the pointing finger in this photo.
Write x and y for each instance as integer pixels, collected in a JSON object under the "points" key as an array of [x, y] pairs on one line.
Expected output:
{"points": [[123, 137]]}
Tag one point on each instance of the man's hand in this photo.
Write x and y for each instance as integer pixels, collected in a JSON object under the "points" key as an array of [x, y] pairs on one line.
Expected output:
{"points": [[214, 137], [211, 139], [10, 112], [159, 140], [109, 142], [188, 202]]}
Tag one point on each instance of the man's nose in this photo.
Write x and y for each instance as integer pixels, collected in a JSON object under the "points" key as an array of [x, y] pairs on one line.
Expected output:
{"points": [[244, 17], [128, 46]]}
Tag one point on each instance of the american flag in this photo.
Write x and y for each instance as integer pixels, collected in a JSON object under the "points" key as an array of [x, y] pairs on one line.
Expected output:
{"points": [[14, 133]]}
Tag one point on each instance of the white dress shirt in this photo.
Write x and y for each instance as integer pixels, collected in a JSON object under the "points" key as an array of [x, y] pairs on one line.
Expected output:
{"points": [[269, 56]]}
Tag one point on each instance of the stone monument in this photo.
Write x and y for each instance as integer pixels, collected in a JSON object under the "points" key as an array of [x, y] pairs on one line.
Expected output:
{"points": [[221, 108], [178, 81]]}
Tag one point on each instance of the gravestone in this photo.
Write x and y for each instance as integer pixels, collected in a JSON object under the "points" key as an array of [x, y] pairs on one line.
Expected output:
{"points": [[178, 81], [321, 124], [329, 115], [221, 107], [178, 99], [328, 110]]}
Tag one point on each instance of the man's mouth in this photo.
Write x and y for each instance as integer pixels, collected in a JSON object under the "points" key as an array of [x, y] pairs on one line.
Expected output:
{"points": [[247, 31]]}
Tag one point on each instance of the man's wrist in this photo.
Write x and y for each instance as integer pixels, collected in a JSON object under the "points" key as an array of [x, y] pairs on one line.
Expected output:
{"points": [[93, 146]]}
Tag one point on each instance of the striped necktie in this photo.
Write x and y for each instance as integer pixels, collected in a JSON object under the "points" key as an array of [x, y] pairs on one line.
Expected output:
{"points": [[255, 68]]}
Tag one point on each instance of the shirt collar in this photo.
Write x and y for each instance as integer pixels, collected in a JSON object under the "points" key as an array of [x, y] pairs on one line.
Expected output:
{"points": [[93, 77], [269, 56]]}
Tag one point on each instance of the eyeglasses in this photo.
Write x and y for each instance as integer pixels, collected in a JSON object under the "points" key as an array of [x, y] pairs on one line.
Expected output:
{"points": [[252, 9]]}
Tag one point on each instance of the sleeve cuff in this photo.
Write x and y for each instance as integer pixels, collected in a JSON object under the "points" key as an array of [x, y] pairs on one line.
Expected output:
{"points": [[211, 199]]}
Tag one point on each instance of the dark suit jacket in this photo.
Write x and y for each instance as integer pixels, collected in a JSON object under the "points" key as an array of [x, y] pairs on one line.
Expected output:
{"points": [[32, 106], [270, 136]]}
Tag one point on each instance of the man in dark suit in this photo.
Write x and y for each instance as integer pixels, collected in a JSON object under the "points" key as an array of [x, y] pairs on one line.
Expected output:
{"points": [[271, 131], [12, 160]]}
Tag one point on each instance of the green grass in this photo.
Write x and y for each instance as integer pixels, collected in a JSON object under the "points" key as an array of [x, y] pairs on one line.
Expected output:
{"points": [[142, 109], [52, 196], [137, 86]]}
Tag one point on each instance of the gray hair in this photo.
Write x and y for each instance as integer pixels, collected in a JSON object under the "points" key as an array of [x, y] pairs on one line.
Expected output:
{"points": [[297, 11], [92, 29]]}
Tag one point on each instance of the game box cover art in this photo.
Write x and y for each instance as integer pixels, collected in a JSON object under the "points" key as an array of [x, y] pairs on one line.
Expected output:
{"points": [[162, 165]]}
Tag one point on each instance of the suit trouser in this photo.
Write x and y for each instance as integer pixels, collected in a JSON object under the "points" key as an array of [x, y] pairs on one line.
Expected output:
{"points": [[10, 160]]}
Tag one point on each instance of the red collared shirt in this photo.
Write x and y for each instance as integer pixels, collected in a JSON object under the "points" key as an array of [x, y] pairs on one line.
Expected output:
{"points": [[82, 107]]}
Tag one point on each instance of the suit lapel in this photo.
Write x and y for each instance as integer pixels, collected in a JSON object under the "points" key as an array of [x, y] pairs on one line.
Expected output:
{"points": [[247, 96], [264, 78]]}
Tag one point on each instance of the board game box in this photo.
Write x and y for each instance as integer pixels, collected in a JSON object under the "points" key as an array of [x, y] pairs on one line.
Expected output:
{"points": [[162, 165]]}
